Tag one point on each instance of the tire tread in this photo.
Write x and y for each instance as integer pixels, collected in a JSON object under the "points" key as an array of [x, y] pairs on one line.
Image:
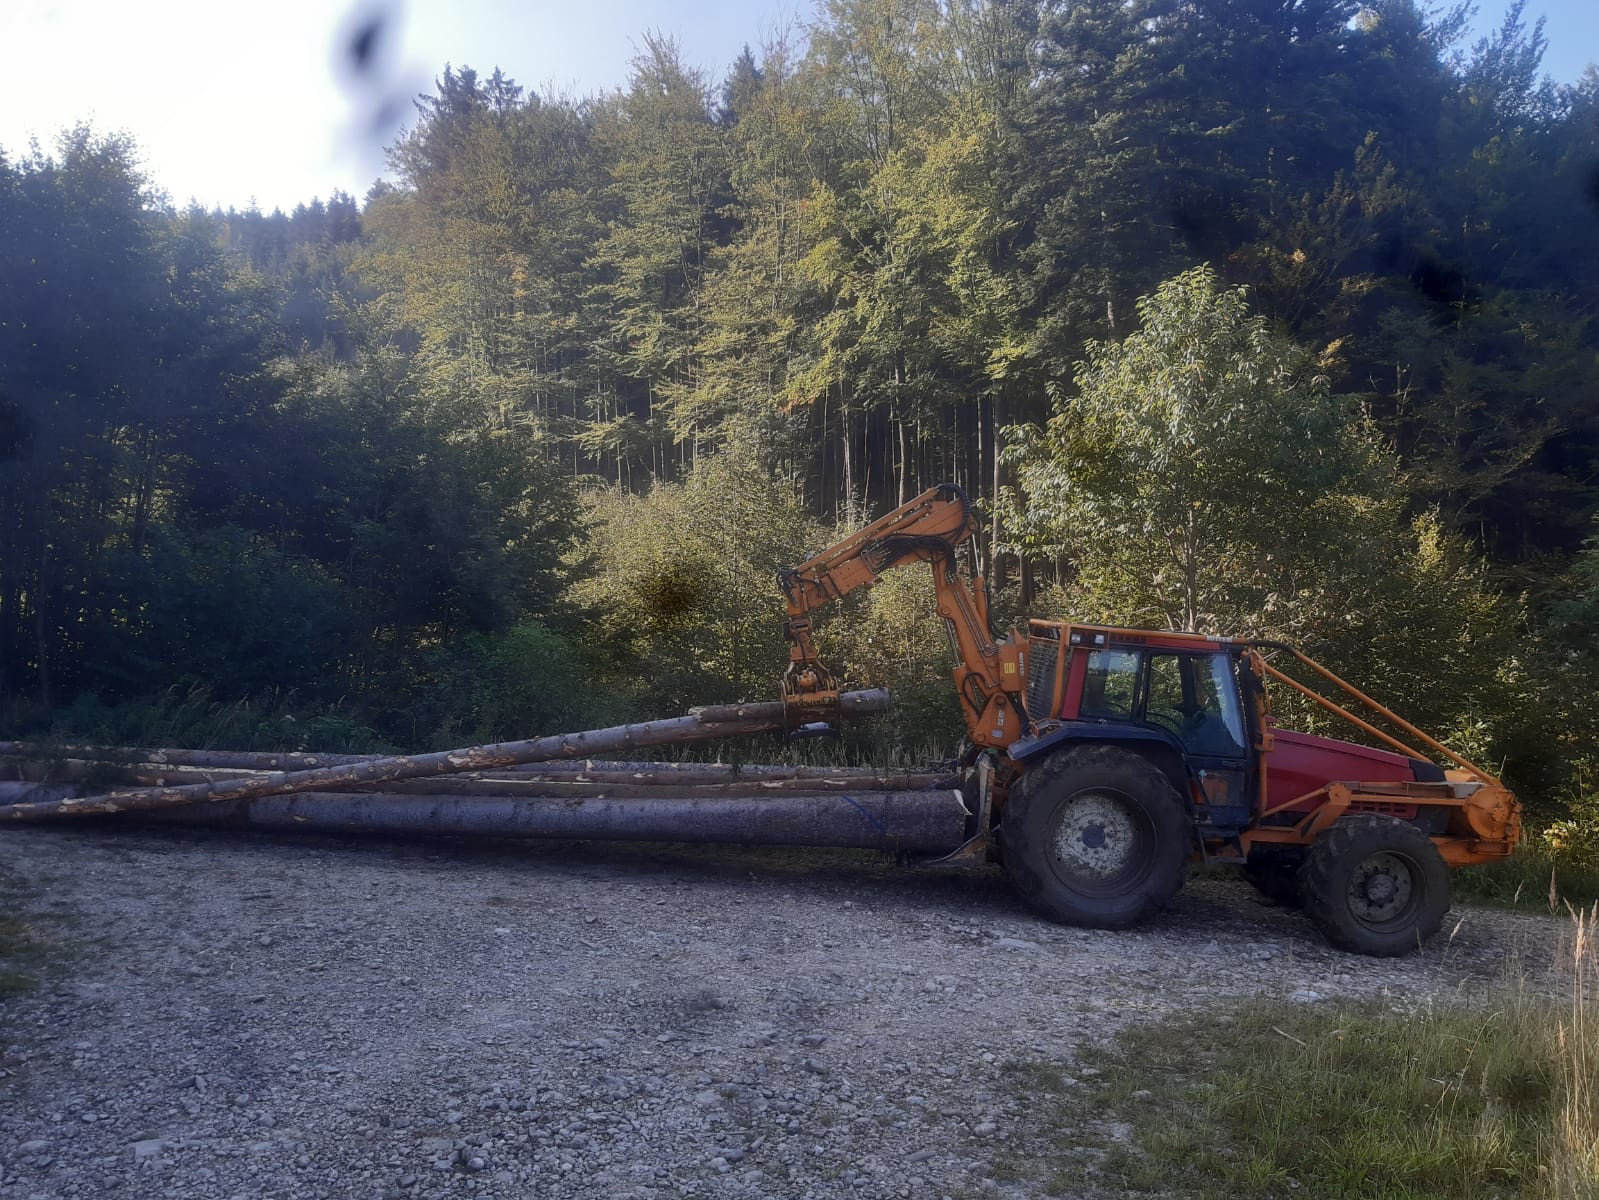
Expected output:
{"points": [[1039, 784], [1323, 883]]}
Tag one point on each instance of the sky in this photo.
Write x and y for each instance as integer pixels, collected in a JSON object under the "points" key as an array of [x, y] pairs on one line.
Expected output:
{"points": [[232, 104]]}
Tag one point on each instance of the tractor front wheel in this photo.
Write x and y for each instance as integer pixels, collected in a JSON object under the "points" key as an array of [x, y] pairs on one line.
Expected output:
{"points": [[1375, 885], [1096, 836]]}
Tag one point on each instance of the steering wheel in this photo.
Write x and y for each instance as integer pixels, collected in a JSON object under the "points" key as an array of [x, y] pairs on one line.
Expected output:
{"points": [[1170, 722]]}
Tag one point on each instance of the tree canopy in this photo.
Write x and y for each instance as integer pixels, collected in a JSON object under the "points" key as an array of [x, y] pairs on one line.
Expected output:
{"points": [[1254, 317]]}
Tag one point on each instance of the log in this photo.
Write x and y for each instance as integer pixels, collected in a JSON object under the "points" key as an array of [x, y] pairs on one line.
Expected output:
{"points": [[608, 787], [245, 760], [538, 783], [930, 822], [222, 759], [478, 784], [700, 725]]}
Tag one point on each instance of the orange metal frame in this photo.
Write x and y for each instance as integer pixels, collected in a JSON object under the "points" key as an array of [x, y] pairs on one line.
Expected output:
{"points": [[990, 674], [1484, 817]]}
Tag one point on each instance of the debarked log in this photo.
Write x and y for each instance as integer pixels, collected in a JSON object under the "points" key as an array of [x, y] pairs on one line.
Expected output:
{"points": [[529, 783], [701, 724], [47, 754], [925, 822]]}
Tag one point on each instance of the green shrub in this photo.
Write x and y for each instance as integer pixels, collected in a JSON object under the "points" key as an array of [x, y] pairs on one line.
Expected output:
{"points": [[681, 584], [524, 682]]}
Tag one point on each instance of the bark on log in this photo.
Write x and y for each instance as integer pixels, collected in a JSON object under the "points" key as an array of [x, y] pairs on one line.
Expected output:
{"points": [[701, 724], [245, 760], [931, 822], [610, 785], [160, 756], [539, 783]]}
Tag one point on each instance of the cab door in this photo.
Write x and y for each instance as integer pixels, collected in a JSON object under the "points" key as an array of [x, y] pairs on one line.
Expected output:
{"points": [[1194, 697]]}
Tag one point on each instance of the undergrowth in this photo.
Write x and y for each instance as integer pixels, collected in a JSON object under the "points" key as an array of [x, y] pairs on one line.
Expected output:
{"points": [[20, 955], [1534, 877], [195, 719]]}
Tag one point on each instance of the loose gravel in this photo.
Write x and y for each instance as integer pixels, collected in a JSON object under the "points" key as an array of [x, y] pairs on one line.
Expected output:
{"points": [[278, 1017]]}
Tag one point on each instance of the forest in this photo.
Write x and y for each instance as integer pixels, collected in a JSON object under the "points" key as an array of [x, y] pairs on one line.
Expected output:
{"points": [[1233, 315]]}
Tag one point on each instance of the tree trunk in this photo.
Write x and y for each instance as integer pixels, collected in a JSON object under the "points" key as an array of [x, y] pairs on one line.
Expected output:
{"points": [[904, 458], [996, 567], [847, 434], [41, 641]]}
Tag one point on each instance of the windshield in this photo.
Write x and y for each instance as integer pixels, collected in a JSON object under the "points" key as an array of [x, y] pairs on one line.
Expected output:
{"points": [[1191, 696]]}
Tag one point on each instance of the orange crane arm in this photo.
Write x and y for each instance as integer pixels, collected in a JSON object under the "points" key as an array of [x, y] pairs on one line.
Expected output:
{"points": [[927, 529]]}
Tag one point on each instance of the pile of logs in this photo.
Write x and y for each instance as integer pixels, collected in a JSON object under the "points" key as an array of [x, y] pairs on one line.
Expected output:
{"points": [[544, 787]]}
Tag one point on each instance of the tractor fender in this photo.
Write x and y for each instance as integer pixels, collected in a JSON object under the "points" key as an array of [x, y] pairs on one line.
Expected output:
{"points": [[1159, 747]]}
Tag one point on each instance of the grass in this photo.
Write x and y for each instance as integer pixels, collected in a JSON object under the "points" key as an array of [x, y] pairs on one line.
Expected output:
{"points": [[1531, 878], [1492, 1097]]}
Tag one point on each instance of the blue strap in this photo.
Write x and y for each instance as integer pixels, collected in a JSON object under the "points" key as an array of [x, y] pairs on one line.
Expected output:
{"points": [[873, 821]]}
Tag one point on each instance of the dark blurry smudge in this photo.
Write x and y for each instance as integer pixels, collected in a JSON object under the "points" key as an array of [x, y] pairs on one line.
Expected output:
{"points": [[13, 430], [379, 86], [388, 117], [1593, 186], [363, 42]]}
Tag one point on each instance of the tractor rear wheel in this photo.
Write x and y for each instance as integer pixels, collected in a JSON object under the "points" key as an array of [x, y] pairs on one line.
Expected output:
{"points": [[1096, 836], [1375, 885]]}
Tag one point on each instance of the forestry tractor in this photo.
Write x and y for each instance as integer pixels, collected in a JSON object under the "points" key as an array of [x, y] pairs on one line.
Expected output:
{"points": [[1102, 761]]}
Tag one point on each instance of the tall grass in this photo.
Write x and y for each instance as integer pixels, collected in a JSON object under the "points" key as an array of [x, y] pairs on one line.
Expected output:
{"points": [[193, 717], [1574, 1156], [1534, 877], [1488, 1092]]}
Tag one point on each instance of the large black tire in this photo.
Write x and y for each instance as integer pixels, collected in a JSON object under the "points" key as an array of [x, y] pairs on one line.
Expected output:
{"points": [[1096, 836], [1274, 873], [1375, 885]]}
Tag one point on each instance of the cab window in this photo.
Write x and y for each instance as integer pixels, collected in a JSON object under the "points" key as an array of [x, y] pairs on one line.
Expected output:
{"points": [[1193, 696], [1110, 684]]}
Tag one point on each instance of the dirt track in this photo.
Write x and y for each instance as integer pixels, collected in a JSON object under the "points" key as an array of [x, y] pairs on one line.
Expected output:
{"points": [[268, 1017]]}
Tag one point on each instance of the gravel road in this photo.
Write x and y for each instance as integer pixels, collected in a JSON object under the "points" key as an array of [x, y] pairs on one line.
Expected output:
{"points": [[265, 1017]]}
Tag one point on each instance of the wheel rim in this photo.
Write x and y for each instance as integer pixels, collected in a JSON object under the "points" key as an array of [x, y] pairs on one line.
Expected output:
{"points": [[1384, 890], [1100, 842]]}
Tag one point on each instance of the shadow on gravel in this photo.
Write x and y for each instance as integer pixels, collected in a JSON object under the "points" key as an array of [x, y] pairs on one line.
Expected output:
{"points": [[870, 877], [1209, 907]]}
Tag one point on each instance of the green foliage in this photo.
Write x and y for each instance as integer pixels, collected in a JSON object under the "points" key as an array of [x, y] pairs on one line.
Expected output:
{"points": [[199, 608], [1550, 871], [681, 582], [195, 718], [896, 640], [131, 354], [1202, 467], [520, 683], [22, 954], [1204, 477]]}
